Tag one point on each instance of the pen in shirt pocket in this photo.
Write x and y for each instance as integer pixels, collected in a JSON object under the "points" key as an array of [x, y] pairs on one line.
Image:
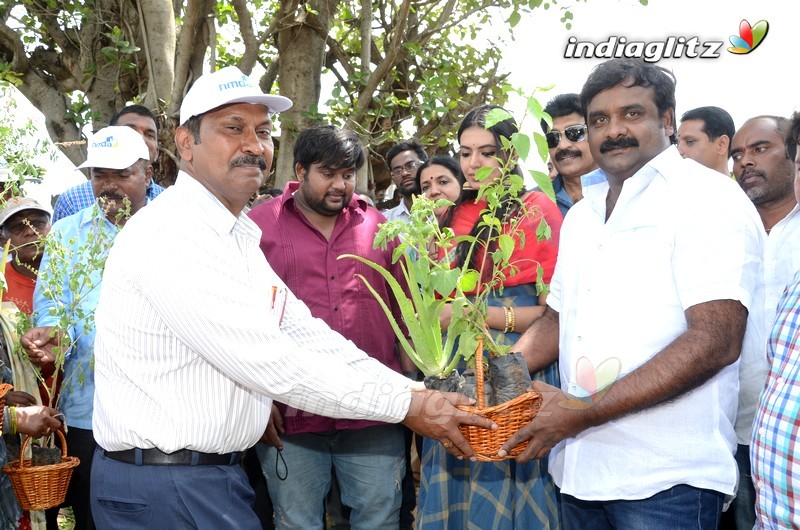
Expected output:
{"points": [[279, 297]]}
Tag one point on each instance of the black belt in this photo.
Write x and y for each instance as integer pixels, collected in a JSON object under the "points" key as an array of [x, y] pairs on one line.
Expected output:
{"points": [[181, 457]]}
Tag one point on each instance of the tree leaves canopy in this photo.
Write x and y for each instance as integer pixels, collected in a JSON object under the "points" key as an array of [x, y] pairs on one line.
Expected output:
{"points": [[392, 69]]}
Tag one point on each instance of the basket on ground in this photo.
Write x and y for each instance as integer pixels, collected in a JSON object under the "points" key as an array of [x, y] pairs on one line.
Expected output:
{"points": [[508, 416], [41, 487]]}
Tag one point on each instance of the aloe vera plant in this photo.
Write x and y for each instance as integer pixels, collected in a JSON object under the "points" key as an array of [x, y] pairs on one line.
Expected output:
{"points": [[431, 285]]}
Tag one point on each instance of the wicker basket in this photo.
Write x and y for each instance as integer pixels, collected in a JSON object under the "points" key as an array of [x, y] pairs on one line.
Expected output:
{"points": [[41, 487], [508, 416], [4, 389]]}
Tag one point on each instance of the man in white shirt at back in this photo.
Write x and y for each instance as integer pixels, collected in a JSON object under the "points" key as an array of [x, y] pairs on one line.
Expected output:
{"points": [[403, 160]]}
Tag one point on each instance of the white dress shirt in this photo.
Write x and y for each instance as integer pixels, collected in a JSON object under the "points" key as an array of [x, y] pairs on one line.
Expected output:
{"points": [[398, 213], [781, 262], [194, 342], [680, 235]]}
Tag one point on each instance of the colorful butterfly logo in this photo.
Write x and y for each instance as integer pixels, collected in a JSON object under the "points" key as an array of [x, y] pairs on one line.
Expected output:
{"points": [[592, 383], [749, 37]]}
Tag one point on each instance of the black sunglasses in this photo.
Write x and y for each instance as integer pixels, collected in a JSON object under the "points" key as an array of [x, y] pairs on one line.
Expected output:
{"points": [[574, 133]]}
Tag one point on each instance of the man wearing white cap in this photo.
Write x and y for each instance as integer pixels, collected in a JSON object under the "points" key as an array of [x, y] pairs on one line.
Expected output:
{"points": [[141, 120], [187, 364], [118, 158]]}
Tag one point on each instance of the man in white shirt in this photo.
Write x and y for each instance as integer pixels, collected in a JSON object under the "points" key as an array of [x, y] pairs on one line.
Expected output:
{"points": [[766, 172], [187, 362], [705, 135], [403, 160], [646, 316]]}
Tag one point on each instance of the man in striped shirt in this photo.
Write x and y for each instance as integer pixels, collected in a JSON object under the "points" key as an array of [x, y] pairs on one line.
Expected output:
{"points": [[187, 363]]}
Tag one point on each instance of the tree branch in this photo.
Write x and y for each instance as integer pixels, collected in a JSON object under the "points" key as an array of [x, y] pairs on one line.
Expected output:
{"points": [[366, 35], [394, 54], [251, 42], [189, 40]]}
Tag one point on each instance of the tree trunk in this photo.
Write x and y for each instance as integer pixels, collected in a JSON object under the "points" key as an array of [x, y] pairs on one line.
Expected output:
{"points": [[158, 37], [302, 53]]}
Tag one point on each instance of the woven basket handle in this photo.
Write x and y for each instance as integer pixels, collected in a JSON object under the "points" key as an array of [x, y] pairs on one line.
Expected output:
{"points": [[479, 386], [28, 439]]}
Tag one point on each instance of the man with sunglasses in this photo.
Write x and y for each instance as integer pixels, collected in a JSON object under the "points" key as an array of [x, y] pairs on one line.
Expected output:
{"points": [[569, 149], [403, 160]]}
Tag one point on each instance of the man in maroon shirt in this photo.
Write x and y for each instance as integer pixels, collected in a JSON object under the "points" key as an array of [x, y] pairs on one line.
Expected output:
{"points": [[305, 230]]}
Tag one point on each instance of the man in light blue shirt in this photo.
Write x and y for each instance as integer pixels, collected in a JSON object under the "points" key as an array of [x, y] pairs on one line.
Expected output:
{"points": [[68, 289], [141, 120]]}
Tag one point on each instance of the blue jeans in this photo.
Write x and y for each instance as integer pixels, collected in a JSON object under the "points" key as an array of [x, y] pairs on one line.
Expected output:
{"points": [[744, 505], [681, 507], [369, 464]]}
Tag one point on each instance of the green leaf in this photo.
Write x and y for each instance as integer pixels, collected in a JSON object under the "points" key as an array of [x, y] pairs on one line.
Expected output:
{"points": [[543, 230], [522, 144], [544, 183], [468, 345], [541, 144], [537, 112], [483, 173], [506, 244], [495, 116], [444, 282], [469, 280], [514, 19]]}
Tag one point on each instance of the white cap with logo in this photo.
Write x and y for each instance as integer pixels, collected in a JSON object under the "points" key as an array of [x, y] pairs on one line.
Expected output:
{"points": [[115, 147], [223, 87], [20, 204]]}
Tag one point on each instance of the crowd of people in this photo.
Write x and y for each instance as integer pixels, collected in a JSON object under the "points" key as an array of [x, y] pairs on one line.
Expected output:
{"points": [[228, 370]]}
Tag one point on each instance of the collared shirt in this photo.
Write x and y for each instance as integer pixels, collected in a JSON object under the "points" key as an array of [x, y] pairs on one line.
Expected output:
{"points": [[332, 288], [79, 235], [781, 261], [680, 235], [775, 445], [563, 200], [81, 196], [190, 354], [398, 213]]}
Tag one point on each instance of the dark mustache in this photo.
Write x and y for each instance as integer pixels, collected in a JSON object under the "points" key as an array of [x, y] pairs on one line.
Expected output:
{"points": [[747, 173], [627, 141], [561, 155], [250, 160]]}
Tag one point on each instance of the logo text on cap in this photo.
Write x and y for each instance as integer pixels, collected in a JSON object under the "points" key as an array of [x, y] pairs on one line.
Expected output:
{"points": [[108, 142], [243, 83]]}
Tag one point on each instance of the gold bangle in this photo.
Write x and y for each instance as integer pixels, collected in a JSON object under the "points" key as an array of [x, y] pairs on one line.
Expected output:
{"points": [[510, 319]]}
